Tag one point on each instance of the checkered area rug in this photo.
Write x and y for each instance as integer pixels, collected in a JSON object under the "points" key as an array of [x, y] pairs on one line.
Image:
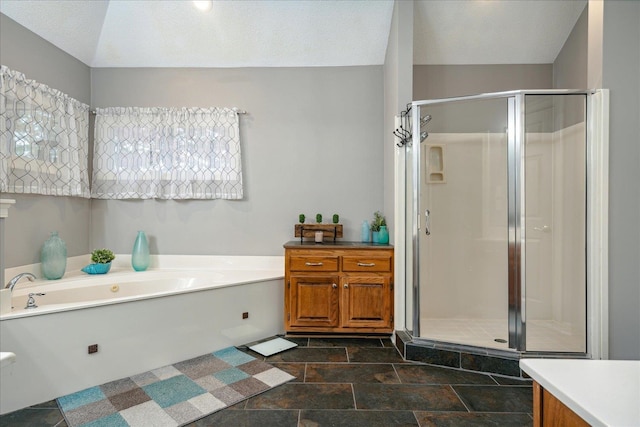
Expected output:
{"points": [[173, 395]]}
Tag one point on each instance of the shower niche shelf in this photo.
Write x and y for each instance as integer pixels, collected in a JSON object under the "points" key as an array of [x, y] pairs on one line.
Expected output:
{"points": [[434, 159]]}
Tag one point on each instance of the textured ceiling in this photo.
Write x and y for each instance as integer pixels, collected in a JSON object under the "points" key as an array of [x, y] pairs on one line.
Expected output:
{"points": [[295, 33]]}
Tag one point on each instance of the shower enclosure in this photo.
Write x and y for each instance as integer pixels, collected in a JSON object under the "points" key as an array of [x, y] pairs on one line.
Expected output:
{"points": [[496, 221]]}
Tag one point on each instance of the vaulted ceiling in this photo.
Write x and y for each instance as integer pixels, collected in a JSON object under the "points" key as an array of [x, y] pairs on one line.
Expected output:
{"points": [[295, 33]]}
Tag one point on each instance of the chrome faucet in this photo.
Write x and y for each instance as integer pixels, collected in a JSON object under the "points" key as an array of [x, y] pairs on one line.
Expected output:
{"points": [[13, 282]]}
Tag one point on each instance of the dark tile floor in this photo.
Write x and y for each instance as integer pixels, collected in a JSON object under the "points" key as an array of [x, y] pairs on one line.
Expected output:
{"points": [[357, 382]]}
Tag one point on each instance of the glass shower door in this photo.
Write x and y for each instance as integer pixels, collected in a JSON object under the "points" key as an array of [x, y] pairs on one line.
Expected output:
{"points": [[462, 240], [555, 217]]}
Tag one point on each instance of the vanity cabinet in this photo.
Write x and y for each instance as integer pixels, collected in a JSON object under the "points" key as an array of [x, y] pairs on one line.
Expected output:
{"points": [[339, 287], [549, 411]]}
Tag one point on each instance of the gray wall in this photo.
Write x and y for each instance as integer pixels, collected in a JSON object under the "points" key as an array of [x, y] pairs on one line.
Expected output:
{"points": [[570, 66], [398, 88], [445, 81], [33, 216], [620, 71], [312, 142], [570, 70]]}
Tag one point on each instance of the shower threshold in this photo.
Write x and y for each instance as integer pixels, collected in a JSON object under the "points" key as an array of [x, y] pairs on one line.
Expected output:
{"points": [[505, 362], [459, 356]]}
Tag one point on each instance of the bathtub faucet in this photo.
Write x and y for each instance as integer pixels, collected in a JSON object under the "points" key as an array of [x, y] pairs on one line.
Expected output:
{"points": [[13, 282]]}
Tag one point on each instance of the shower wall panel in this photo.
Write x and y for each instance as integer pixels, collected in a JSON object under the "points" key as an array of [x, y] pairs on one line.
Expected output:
{"points": [[466, 252]]}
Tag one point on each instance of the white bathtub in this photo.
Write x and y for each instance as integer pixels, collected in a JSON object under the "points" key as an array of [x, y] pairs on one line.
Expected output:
{"points": [[183, 308]]}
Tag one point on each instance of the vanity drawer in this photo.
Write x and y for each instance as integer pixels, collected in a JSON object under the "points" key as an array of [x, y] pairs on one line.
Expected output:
{"points": [[313, 263], [366, 263]]}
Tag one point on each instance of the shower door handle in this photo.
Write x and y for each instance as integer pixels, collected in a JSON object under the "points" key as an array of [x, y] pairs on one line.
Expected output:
{"points": [[427, 222]]}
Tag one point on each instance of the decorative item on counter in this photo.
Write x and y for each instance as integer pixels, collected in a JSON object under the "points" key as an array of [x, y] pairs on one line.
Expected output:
{"points": [[101, 259], [140, 259], [53, 257], [318, 231], [383, 235], [378, 221], [365, 233]]}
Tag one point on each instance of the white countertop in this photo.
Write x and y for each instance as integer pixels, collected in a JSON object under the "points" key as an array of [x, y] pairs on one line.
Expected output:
{"points": [[6, 358], [602, 392]]}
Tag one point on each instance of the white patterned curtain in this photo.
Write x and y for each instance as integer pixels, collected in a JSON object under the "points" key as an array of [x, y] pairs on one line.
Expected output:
{"points": [[166, 153], [44, 139]]}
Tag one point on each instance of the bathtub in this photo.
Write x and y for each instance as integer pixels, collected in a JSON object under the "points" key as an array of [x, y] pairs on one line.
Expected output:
{"points": [[182, 307]]}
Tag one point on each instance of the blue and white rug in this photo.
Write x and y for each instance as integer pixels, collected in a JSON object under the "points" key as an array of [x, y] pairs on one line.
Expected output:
{"points": [[173, 395]]}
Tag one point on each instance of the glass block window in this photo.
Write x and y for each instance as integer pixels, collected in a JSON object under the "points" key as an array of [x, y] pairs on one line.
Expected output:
{"points": [[167, 153], [44, 139]]}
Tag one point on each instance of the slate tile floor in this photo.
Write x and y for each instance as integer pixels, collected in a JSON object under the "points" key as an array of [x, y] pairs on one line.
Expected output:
{"points": [[348, 382]]}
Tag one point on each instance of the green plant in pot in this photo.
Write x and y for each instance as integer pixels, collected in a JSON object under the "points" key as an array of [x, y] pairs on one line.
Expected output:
{"points": [[379, 227], [101, 259]]}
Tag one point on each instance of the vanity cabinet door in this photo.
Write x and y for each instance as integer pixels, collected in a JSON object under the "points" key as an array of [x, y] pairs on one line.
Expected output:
{"points": [[313, 301], [367, 301]]}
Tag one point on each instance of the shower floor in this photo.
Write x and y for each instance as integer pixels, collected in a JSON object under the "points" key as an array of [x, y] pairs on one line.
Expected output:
{"points": [[542, 335]]}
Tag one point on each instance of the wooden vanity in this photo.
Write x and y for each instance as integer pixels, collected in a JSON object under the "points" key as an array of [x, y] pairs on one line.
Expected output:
{"points": [[570, 392], [338, 287]]}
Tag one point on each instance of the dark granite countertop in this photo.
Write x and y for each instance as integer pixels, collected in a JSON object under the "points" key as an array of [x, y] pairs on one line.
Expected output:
{"points": [[329, 244]]}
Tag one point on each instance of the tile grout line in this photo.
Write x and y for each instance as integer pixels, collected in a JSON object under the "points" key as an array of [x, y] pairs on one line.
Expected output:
{"points": [[459, 398], [353, 395]]}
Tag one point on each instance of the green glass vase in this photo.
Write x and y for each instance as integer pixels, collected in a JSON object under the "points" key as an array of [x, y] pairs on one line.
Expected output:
{"points": [[140, 258], [53, 257]]}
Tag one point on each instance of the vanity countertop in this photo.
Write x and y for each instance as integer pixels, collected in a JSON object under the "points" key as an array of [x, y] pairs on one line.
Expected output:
{"points": [[6, 358], [601, 392], [330, 244]]}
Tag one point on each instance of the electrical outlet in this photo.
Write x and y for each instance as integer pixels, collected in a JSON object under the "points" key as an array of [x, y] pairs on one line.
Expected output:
{"points": [[245, 315], [93, 348]]}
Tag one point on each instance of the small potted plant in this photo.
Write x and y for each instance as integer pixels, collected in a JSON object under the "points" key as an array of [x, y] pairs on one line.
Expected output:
{"points": [[336, 218], [379, 223], [319, 218], [101, 259], [301, 218]]}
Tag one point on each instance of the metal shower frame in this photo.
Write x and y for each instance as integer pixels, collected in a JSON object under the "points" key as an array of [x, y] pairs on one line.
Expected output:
{"points": [[516, 209]]}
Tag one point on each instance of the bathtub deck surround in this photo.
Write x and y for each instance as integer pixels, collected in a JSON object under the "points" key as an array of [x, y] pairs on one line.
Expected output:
{"points": [[140, 321]]}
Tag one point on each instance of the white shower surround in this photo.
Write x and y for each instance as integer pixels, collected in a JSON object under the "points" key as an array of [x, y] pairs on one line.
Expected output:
{"points": [[186, 306], [597, 230]]}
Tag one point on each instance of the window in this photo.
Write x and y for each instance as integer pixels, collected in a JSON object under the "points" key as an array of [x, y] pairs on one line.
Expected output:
{"points": [[167, 153], [43, 139]]}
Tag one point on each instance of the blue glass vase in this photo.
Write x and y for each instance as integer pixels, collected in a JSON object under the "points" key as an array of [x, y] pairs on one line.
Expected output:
{"points": [[375, 237], [53, 257], [140, 258], [364, 233], [383, 235]]}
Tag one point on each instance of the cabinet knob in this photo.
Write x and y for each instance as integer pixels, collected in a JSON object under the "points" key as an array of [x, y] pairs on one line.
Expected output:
{"points": [[313, 264], [334, 286], [346, 286]]}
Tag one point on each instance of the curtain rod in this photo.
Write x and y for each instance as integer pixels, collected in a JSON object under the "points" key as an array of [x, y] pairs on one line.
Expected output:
{"points": [[236, 110]]}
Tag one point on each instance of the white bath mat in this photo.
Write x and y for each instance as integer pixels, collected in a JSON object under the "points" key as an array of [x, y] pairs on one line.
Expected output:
{"points": [[273, 346]]}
